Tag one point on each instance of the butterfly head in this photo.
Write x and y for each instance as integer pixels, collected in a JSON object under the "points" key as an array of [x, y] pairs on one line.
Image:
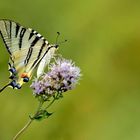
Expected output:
{"points": [[56, 46]]}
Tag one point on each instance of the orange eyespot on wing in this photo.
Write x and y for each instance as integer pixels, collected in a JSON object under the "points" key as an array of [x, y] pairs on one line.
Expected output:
{"points": [[23, 75]]}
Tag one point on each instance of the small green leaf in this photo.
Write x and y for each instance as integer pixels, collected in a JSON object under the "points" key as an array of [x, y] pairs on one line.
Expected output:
{"points": [[42, 114], [48, 114]]}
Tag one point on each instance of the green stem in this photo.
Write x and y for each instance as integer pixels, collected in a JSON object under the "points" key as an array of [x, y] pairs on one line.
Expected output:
{"points": [[32, 119], [52, 101], [28, 123], [39, 107], [23, 129]]}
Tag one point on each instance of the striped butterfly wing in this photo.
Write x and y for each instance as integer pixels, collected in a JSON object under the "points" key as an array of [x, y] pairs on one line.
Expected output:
{"points": [[45, 61], [25, 46]]}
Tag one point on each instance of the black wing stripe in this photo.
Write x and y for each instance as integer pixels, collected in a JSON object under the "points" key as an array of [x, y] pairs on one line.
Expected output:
{"points": [[31, 34], [30, 51], [42, 57], [8, 49], [17, 29], [39, 54], [28, 56], [22, 32], [35, 41]]}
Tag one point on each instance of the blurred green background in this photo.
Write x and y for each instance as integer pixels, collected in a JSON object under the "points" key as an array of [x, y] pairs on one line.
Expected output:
{"points": [[104, 41]]}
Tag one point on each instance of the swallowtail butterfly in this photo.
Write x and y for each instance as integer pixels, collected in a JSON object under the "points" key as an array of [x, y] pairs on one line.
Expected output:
{"points": [[27, 49]]}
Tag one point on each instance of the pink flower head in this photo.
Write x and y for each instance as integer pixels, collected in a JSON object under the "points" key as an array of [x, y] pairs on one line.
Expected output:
{"points": [[62, 76]]}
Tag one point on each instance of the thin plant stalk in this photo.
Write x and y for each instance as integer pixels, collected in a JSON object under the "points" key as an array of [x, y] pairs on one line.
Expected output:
{"points": [[28, 123], [54, 98], [22, 130]]}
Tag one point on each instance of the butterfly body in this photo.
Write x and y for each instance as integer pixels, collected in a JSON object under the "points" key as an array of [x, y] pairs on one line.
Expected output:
{"points": [[27, 49]]}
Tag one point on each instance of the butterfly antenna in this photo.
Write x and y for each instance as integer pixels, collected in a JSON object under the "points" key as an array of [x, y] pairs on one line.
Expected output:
{"points": [[5, 87], [58, 34], [62, 42], [59, 43]]}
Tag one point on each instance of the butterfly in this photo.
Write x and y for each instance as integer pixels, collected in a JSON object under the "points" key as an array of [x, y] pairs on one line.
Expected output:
{"points": [[27, 50]]}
